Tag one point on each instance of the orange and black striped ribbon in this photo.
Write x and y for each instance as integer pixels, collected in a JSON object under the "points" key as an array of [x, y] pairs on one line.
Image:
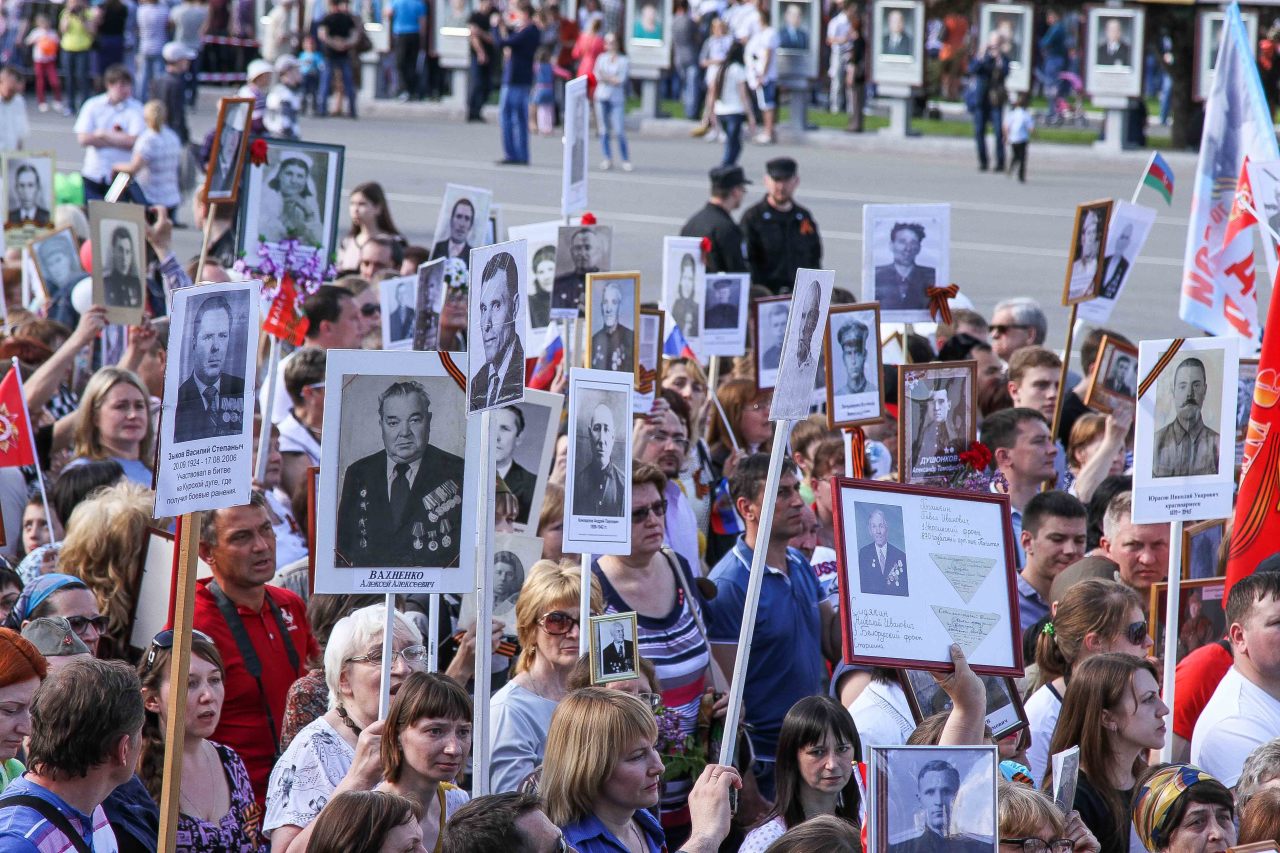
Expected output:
{"points": [[452, 369], [1160, 365]]}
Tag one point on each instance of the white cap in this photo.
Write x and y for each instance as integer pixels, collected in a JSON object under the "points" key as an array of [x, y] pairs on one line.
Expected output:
{"points": [[257, 68], [176, 51]]}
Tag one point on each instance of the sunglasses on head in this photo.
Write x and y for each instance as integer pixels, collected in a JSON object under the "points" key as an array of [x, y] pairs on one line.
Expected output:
{"points": [[1136, 633], [163, 640], [557, 623]]}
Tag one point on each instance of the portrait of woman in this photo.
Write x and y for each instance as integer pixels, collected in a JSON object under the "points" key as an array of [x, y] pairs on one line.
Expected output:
{"points": [[1086, 254], [544, 276], [290, 207]]}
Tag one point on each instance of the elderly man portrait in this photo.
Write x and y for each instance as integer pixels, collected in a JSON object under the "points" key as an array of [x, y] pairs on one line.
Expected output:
{"points": [[455, 245], [1186, 446], [501, 378], [210, 401], [613, 347], [402, 315], [599, 486], [882, 567]]}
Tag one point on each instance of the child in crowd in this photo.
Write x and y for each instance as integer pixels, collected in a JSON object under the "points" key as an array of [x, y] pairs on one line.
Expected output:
{"points": [[311, 63], [284, 101], [171, 87], [544, 91], [1018, 124], [258, 83], [43, 41]]}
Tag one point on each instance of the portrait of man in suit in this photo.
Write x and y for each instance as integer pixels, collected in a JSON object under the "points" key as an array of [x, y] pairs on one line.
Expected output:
{"points": [[121, 283], [771, 338], [26, 200], [725, 299], [793, 35], [599, 486], [1121, 375], [882, 566], [1114, 49], [401, 505], [210, 400], [500, 378], [1186, 446], [613, 346], [617, 650], [937, 786], [1116, 265], [507, 429], [902, 285], [584, 256], [404, 313], [896, 40], [456, 244]]}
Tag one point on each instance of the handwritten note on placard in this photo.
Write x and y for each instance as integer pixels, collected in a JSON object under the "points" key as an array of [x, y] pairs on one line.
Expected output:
{"points": [[965, 573], [968, 628], [948, 525], [879, 631]]}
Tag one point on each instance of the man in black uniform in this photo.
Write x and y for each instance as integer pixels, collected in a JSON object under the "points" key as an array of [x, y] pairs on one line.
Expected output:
{"points": [[728, 188], [781, 236]]}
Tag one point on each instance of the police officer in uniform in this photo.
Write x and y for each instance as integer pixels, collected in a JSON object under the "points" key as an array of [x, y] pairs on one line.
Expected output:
{"points": [[781, 236], [715, 220], [402, 506]]}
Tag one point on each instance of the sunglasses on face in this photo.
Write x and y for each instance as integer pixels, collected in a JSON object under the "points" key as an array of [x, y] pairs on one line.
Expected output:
{"points": [[557, 623], [1003, 328], [658, 508], [1136, 633]]}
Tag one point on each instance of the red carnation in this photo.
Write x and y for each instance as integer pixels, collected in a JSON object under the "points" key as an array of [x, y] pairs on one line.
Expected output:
{"points": [[978, 456], [706, 245], [588, 218], [258, 152]]}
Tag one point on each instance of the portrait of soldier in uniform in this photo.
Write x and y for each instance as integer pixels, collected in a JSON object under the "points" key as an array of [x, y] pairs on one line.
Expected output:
{"points": [[937, 787], [937, 429], [580, 250], [121, 281], [211, 399], [882, 565], [599, 485], [724, 299], [613, 343], [1186, 446]]}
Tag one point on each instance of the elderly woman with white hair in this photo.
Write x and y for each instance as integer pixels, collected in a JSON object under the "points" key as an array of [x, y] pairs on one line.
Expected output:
{"points": [[340, 751]]}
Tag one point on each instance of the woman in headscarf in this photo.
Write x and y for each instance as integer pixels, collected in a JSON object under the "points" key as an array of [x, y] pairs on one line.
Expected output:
{"points": [[291, 209], [1179, 808]]}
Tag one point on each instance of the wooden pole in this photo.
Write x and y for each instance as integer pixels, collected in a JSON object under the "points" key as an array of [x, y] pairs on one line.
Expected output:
{"points": [[1062, 374], [768, 504], [1172, 609], [484, 613], [211, 209], [179, 670]]}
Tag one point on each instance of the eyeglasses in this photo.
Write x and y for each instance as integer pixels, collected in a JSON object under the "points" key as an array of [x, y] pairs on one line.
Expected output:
{"points": [[80, 624], [163, 640], [410, 654], [1003, 328], [1136, 633], [658, 508], [1039, 845], [557, 623], [660, 437], [654, 700], [370, 308]]}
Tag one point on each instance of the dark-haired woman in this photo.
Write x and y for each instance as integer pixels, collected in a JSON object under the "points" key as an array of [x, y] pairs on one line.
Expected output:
{"points": [[368, 822], [733, 103], [370, 217]]}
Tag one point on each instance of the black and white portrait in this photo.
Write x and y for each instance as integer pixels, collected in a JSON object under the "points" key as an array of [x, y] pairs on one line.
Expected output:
{"points": [[57, 262], [648, 359], [523, 438], [1188, 416], [802, 345], [853, 344], [1114, 383], [771, 327], [497, 326], [1126, 234], [28, 182], [612, 319], [541, 240], [906, 251], [1122, 375], [1085, 272], [929, 799], [211, 397], [399, 298], [573, 163], [936, 421], [599, 482], [230, 143], [293, 196], [119, 261], [461, 223], [882, 556], [724, 301], [430, 293], [613, 648], [683, 274], [1113, 51], [508, 576], [580, 249]]}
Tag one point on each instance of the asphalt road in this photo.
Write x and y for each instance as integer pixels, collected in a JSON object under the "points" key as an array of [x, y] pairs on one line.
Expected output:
{"points": [[1007, 239]]}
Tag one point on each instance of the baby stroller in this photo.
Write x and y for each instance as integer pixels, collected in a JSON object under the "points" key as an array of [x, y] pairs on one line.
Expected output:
{"points": [[1066, 102]]}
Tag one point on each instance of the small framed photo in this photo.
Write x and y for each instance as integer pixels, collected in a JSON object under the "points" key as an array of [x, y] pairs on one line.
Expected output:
{"points": [[1113, 51], [56, 260], [802, 345], [399, 298], [771, 314], [1209, 24], [1114, 381], [597, 495], [649, 359], [27, 180], [541, 240], [1005, 714], [1200, 544], [851, 350], [1246, 379], [726, 297], [932, 798], [1013, 22], [613, 315], [683, 283], [796, 21], [648, 33], [1084, 272], [1183, 469], [429, 294], [226, 157], [1202, 614], [906, 250], [1126, 235], [295, 195], [118, 232], [897, 42], [1066, 776], [580, 249], [922, 568], [523, 437], [614, 651], [936, 420], [496, 320], [577, 142]]}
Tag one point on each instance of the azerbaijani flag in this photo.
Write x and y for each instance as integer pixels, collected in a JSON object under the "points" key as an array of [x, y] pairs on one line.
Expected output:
{"points": [[1159, 177], [677, 346], [544, 371]]}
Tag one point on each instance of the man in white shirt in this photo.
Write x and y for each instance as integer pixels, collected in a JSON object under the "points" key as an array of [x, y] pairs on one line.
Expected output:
{"points": [[743, 19], [13, 110], [1244, 712], [107, 127], [762, 72], [840, 40]]}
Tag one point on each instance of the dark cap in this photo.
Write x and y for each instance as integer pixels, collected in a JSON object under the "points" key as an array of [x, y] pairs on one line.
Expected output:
{"points": [[781, 168], [1089, 567], [53, 636], [725, 178]]}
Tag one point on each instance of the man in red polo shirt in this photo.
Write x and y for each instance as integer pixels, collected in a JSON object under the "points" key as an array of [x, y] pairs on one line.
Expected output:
{"points": [[249, 622]]}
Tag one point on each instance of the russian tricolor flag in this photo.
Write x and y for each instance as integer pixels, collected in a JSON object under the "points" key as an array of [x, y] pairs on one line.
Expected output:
{"points": [[544, 371], [677, 346]]}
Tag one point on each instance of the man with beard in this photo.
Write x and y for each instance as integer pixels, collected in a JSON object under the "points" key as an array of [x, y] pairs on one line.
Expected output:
{"points": [[26, 187], [599, 486], [937, 785], [584, 248], [1187, 447], [508, 426], [901, 285], [501, 378], [614, 346], [455, 245], [210, 401]]}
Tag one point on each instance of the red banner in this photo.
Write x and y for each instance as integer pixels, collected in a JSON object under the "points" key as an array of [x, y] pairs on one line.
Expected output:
{"points": [[284, 319], [15, 426]]}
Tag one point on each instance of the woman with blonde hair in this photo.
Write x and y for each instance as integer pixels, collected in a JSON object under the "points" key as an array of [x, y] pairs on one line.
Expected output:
{"points": [[746, 407], [547, 628], [157, 155], [1026, 815], [105, 546], [115, 423]]}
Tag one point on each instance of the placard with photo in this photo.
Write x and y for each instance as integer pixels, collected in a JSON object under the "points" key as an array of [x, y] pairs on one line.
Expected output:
{"points": [[206, 423], [1113, 51], [496, 345], [802, 345], [1209, 23], [851, 350], [1013, 22], [399, 303], [726, 297], [648, 359], [55, 259], [27, 180], [401, 492], [906, 250], [683, 282], [1005, 714], [613, 315], [577, 145], [1066, 773], [614, 648], [1246, 380], [118, 232], [922, 568], [932, 798], [429, 295], [541, 240], [227, 153], [523, 438], [1114, 381], [648, 33], [513, 556], [1202, 613], [937, 420], [597, 495], [461, 222], [897, 42], [295, 195], [1200, 547], [1084, 258], [1183, 469], [800, 37], [1126, 235], [580, 249]]}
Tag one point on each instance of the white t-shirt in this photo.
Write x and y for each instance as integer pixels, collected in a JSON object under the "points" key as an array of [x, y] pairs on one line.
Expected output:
{"points": [[1020, 123], [13, 123], [764, 69], [729, 99], [1240, 717], [305, 776], [99, 114], [743, 20], [1042, 710], [882, 716], [839, 28]]}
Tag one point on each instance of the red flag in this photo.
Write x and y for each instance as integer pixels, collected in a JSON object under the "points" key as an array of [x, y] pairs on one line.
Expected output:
{"points": [[284, 318], [1242, 207], [15, 426], [1255, 526]]}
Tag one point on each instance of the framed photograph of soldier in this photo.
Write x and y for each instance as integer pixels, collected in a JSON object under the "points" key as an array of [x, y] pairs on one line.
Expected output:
{"points": [[461, 223], [1005, 714], [1084, 258], [1114, 380], [206, 424], [28, 196], [897, 42], [523, 438], [1182, 469], [577, 143], [802, 345], [771, 314], [932, 798], [1200, 544], [936, 416], [796, 22], [399, 302], [429, 294], [922, 568], [648, 359], [399, 490], [295, 195], [496, 345], [227, 153], [851, 350], [1202, 616], [725, 299], [1125, 236], [683, 277], [615, 654], [1113, 51], [155, 588], [648, 33], [906, 250], [613, 315], [597, 496], [55, 260], [541, 240], [1209, 25], [513, 555], [580, 249], [1013, 22], [1246, 379], [118, 232]]}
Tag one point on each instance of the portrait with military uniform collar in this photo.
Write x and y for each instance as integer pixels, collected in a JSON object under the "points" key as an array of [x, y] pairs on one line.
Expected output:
{"points": [[119, 260], [598, 488], [852, 357], [613, 315], [936, 420]]}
